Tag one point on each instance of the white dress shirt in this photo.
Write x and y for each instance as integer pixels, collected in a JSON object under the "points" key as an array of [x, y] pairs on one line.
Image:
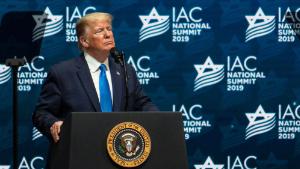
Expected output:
{"points": [[94, 67]]}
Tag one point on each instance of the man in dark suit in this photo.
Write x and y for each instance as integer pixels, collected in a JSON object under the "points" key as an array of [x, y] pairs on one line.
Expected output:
{"points": [[93, 82]]}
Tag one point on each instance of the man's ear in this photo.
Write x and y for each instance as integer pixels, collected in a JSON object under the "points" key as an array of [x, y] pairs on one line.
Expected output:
{"points": [[84, 42]]}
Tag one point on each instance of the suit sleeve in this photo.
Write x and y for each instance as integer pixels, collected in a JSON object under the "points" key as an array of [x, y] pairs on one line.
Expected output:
{"points": [[142, 101], [48, 105]]}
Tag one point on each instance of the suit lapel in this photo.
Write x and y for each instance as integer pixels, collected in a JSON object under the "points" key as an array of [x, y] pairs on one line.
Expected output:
{"points": [[87, 82], [117, 83]]}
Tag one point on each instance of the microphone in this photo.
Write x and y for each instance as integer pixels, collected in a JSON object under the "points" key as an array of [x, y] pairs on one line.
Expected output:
{"points": [[117, 55], [119, 58]]}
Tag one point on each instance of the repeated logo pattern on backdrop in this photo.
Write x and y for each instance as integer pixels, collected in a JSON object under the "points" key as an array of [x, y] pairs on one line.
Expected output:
{"points": [[231, 68], [239, 73], [184, 24], [261, 24]]}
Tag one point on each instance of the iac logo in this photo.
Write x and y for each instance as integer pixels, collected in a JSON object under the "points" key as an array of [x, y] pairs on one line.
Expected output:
{"points": [[208, 74], [240, 71], [232, 163], [259, 25], [47, 24], [186, 23], [259, 122], [288, 121], [72, 15], [35, 163], [142, 68], [153, 25], [194, 119], [31, 74]]}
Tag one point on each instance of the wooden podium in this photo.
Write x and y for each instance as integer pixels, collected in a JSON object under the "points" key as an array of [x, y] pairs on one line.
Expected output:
{"points": [[83, 142]]}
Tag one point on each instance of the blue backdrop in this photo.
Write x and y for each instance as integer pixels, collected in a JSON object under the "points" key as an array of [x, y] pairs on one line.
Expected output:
{"points": [[231, 67]]}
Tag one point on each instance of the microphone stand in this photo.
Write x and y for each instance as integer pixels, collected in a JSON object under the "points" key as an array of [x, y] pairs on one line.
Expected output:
{"points": [[119, 57], [126, 79], [15, 63]]}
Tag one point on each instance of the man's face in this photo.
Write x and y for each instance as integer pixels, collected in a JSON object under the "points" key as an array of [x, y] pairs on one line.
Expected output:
{"points": [[99, 36]]}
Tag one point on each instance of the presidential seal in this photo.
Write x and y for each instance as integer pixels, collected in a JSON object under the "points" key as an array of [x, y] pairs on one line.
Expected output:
{"points": [[128, 144]]}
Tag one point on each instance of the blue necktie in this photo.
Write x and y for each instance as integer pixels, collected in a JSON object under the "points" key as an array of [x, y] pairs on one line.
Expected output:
{"points": [[105, 97]]}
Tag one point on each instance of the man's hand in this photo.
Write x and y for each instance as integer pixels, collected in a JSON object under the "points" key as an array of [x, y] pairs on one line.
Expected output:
{"points": [[55, 130]]}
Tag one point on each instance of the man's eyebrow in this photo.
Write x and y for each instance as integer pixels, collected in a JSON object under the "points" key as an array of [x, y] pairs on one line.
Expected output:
{"points": [[102, 27], [99, 28]]}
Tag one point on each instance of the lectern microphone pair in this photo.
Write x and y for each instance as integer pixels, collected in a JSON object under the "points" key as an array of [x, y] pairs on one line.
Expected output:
{"points": [[148, 140]]}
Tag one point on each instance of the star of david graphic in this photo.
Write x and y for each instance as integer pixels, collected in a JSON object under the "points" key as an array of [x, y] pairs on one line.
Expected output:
{"points": [[258, 19], [258, 116], [209, 164], [47, 18], [208, 65], [152, 19]]}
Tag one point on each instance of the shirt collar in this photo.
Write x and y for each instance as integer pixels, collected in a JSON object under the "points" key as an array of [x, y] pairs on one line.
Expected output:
{"points": [[94, 64]]}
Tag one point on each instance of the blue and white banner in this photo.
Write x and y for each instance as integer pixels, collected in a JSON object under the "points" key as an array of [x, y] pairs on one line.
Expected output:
{"points": [[231, 67]]}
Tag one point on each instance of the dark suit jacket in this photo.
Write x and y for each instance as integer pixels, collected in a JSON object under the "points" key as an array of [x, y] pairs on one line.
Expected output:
{"points": [[69, 88]]}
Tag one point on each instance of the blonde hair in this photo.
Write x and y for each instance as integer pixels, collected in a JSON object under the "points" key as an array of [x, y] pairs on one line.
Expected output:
{"points": [[83, 23]]}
